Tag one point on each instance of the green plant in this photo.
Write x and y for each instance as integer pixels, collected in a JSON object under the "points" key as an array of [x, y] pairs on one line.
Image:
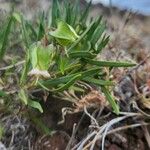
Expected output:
{"points": [[1, 131], [62, 50], [4, 34]]}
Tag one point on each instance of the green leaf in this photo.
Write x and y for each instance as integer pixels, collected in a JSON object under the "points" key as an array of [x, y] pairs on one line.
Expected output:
{"points": [[86, 12], [41, 56], [81, 54], [68, 68], [35, 104], [25, 68], [3, 94], [81, 37], [41, 30], [33, 55], [63, 62], [1, 131], [97, 33], [5, 38], [103, 42], [64, 33], [25, 34], [32, 29], [65, 79], [76, 88], [68, 12], [98, 81], [109, 63], [56, 81], [71, 12], [110, 100], [76, 12], [55, 13], [93, 28], [90, 72], [44, 56], [17, 17], [40, 124], [68, 84], [23, 96], [84, 45]]}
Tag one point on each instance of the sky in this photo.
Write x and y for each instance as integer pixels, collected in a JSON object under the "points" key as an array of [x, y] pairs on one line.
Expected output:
{"points": [[141, 6]]}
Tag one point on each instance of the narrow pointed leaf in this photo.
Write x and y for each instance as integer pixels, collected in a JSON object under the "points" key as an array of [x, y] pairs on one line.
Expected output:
{"points": [[68, 84], [65, 79], [97, 34], [55, 12], [102, 43], [109, 63], [41, 30], [86, 12], [98, 81], [110, 100], [32, 29], [81, 54], [25, 34], [80, 38], [76, 11], [26, 68], [33, 55], [63, 62], [91, 32], [5, 37]]}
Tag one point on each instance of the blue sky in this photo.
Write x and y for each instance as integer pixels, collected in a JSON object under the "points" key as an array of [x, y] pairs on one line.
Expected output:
{"points": [[142, 6]]}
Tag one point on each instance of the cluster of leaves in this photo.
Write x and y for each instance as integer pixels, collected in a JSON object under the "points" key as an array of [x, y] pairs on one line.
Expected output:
{"points": [[62, 50]]}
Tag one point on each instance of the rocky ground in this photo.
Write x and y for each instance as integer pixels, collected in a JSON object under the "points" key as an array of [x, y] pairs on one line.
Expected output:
{"points": [[130, 36]]}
